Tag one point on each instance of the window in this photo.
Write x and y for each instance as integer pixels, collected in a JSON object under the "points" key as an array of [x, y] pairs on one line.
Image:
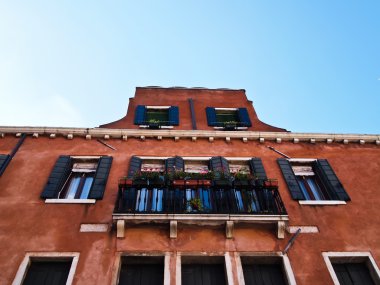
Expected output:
{"points": [[156, 117], [312, 179], [267, 270], [352, 268], [203, 271], [77, 179], [228, 118], [137, 270], [53, 268]]}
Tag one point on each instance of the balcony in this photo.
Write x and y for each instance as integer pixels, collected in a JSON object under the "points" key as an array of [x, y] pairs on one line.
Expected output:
{"points": [[200, 202]]}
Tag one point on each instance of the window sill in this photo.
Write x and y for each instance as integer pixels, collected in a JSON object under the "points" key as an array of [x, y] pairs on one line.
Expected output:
{"points": [[321, 202], [70, 201], [237, 128], [161, 127]]}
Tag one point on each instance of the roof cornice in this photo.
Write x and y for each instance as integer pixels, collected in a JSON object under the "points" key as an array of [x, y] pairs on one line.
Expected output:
{"points": [[143, 134]]}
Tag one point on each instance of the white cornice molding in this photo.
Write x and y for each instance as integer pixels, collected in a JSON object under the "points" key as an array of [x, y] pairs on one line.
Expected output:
{"points": [[245, 136]]}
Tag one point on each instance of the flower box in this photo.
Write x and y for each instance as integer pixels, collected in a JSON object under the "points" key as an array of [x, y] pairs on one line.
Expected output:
{"points": [[222, 183], [125, 181], [271, 183]]}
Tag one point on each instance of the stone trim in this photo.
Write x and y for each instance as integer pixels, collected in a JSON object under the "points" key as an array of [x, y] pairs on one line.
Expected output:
{"points": [[70, 201], [93, 228], [278, 137], [21, 272], [321, 202]]}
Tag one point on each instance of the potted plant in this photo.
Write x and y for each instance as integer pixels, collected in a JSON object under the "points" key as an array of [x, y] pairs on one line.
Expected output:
{"points": [[148, 178], [230, 125], [154, 124], [243, 179], [196, 204]]}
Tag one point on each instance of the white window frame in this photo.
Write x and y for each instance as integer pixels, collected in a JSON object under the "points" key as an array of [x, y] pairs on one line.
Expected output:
{"points": [[202, 256], [157, 107], [315, 202], [346, 257], [75, 201], [46, 256], [289, 275], [120, 255]]}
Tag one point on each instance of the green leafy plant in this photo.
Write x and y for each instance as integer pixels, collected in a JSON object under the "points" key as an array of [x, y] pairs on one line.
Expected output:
{"points": [[177, 175], [196, 204], [243, 176]]}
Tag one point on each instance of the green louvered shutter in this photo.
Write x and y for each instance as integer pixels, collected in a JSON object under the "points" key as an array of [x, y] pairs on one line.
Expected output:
{"points": [[173, 116], [219, 164], [100, 179], [211, 117], [57, 178], [290, 178], [330, 180], [174, 164], [134, 166], [257, 168], [244, 117], [140, 115]]}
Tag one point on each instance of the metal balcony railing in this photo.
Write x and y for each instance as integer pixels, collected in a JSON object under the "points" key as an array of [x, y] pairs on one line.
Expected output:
{"points": [[199, 199]]}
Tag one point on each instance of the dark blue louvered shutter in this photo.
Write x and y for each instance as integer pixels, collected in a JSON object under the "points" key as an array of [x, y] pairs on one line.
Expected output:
{"points": [[211, 116], [330, 180], [257, 168], [140, 115], [100, 179], [57, 178], [244, 117], [219, 165], [134, 166], [4, 161], [173, 116], [174, 164], [290, 178]]}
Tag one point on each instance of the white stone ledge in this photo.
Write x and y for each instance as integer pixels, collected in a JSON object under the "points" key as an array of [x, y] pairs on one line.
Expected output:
{"points": [[194, 218], [70, 201], [93, 228], [167, 133], [321, 202]]}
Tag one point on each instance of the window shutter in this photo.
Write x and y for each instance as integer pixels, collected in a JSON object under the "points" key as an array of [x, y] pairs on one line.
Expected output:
{"points": [[211, 116], [257, 168], [4, 161], [175, 164], [134, 166], [57, 178], [330, 180], [174, 116], [244, 117], [220, 164], [290, 178], [100, 179], [140, 115]]}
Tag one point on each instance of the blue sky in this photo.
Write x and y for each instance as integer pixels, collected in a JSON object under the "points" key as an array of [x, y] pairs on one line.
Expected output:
{"points": [[308, 66]]}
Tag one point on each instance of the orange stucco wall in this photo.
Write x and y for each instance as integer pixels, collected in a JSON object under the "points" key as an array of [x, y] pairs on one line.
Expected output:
{"points": [[202, 98], [27, 224]]}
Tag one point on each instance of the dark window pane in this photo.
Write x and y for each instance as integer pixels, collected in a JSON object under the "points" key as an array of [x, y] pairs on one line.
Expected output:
{"points": [[203, 274], [226, 116], [353, 274], [157, 115], [141, 274], [263, 274], [48, 273]]}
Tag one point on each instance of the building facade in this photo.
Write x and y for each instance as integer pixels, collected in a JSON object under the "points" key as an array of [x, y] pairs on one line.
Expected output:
{"points": [[190, 187]]}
